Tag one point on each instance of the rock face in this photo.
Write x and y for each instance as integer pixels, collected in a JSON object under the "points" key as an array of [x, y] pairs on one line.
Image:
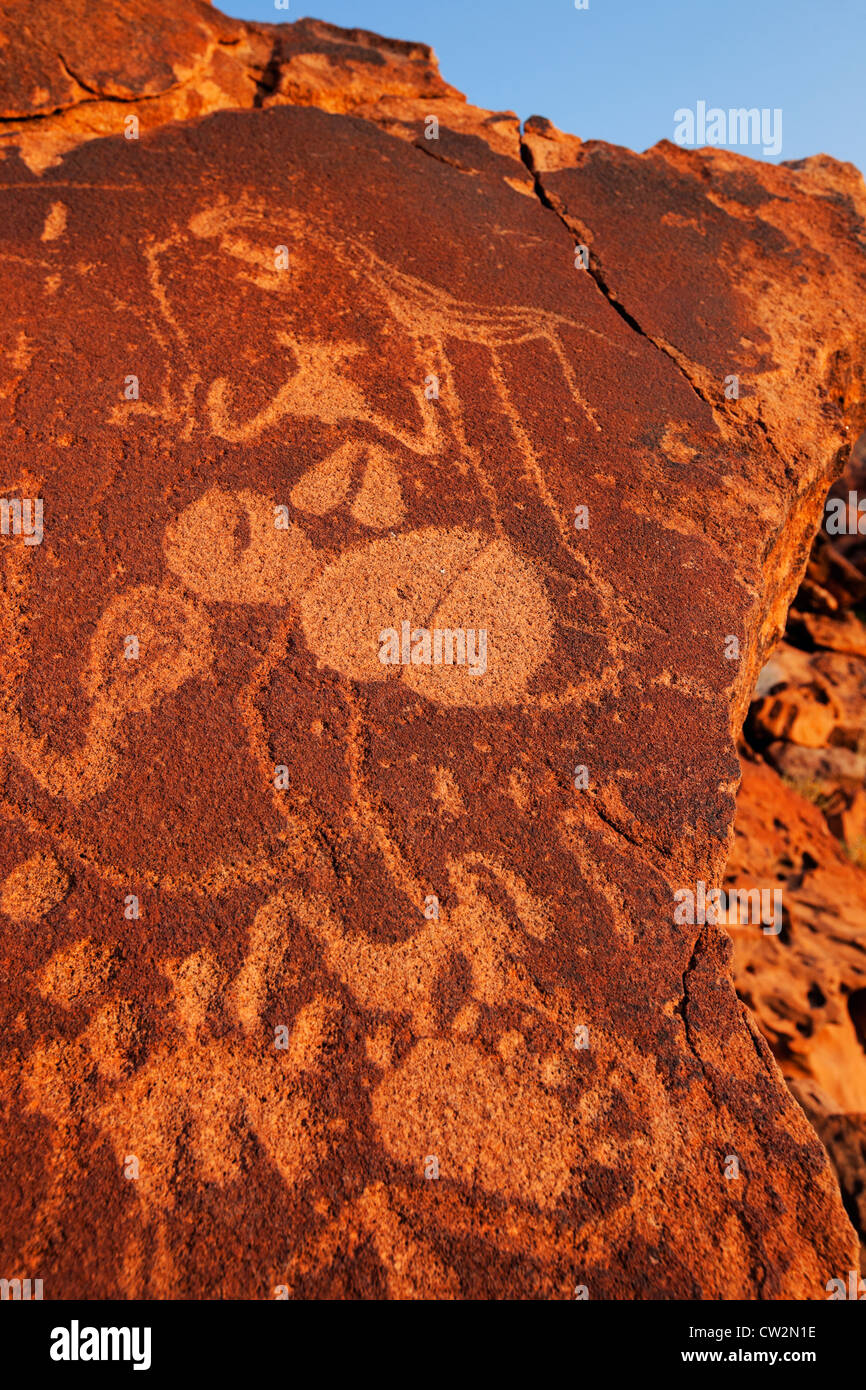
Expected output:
{"points": [[356, 977], [807, 985], [800, 828]]}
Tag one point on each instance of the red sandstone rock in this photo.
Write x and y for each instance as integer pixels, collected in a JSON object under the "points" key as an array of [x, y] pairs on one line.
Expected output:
{"points": [[807, 987], [339, 1049]]}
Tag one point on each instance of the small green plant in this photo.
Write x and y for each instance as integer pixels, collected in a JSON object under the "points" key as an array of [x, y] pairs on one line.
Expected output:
{"points": [[812, 789], [856, 851]]}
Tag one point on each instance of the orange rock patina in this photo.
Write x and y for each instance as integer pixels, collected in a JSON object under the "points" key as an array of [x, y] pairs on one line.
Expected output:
{"points": [[378, 993]]}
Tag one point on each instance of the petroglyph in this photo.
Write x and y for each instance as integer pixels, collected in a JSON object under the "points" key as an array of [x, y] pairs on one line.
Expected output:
{"points": [[77, 975], [55, 222], [401, 977], [202, 549], [447, 579], [378, 501], [185, 1099], [457, 578], [381, 917], [446, 1086], [172, 637], [230, 546], [324, 486], [33, 888], [468, 1109]]}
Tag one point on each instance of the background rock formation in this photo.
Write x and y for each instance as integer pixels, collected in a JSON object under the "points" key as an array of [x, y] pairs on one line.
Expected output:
{"points": [[287, 371], [800, 826]]}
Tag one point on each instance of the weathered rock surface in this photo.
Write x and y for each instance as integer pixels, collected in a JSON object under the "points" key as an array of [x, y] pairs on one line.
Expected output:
{"points": [[801, 828], [805, 984], [373, 387]]}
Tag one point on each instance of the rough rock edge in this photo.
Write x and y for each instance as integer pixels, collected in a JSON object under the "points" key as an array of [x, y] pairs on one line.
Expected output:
{"points": [[396, 84], [41, 138]]}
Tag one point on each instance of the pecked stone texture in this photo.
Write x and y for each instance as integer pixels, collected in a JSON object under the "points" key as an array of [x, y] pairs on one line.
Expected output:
{"points": [[287, 931]]}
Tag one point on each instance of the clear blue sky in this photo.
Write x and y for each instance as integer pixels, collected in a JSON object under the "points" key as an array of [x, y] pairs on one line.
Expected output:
{"points": [[619, 70]]}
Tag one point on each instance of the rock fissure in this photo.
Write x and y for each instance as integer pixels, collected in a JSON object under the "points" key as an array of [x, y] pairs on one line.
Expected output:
{"points": [[94, 91], [594, 270]]}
